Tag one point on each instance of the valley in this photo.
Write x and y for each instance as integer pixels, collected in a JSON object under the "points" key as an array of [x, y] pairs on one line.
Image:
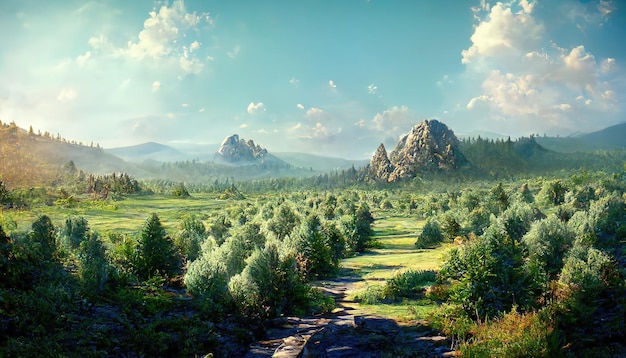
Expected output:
{"points": [[453, 247]]}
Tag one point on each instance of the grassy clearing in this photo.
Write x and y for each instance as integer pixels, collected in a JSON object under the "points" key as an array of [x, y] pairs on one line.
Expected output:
{"points": [[125, 216], [396, 235]]}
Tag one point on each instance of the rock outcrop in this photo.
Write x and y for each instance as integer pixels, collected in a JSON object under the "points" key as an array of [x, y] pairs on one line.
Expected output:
{"points": [[237, 150], [429, 147], [380, 165]]}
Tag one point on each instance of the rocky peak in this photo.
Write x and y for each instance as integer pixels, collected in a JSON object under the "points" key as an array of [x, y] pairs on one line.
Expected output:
{"points": [[380, 164], [429, 147], [234, 149]]}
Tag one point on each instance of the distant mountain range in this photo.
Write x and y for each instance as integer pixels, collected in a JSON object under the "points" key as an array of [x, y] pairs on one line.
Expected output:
{"points": [[30, 159], [612, 137], [148, 151], [156, 152]]}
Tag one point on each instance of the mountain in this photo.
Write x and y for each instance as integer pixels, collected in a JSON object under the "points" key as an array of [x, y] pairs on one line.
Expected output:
{"points": [[609, 138], [148, 151], [238, 151], [319, 163], [429, 147]]}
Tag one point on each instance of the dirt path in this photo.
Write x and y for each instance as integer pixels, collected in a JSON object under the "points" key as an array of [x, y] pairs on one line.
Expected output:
{"points": [[348, 332]]}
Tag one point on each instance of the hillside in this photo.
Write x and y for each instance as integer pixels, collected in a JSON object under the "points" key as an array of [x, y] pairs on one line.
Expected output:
{"points": [[148, 151], [613, 137], [318, 162], [30, 159]]}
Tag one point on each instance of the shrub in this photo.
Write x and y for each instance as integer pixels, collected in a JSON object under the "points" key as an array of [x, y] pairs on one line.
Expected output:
{"points": [[207, 278], [371, 295], [431, 235], [513, 335], [93, 266], [408, 284]]}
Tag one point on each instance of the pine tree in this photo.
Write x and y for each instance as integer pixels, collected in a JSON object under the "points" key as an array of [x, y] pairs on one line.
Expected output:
{"points": [[157, 253]]}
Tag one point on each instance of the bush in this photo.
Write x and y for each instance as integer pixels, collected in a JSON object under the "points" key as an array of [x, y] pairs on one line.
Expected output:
{"points": [[513, 335], [408, 284], [206, 277], [371, 295], [431, 235], [93, 266]]}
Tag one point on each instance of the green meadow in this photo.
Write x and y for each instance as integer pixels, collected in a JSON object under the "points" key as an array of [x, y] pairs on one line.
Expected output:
{"points": [[395, 251]]}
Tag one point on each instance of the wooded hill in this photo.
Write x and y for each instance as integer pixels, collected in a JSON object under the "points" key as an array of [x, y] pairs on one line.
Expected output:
{"points": [[32, 159]]}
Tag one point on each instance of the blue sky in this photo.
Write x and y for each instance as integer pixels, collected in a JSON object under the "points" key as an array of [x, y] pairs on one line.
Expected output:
{"points": [[320, 76]]}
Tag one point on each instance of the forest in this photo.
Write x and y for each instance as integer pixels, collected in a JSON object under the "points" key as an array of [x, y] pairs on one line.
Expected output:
{"points": [[520, 252]]}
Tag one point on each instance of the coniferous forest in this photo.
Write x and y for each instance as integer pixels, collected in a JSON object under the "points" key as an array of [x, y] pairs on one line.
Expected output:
{"points": [[517, 251]]}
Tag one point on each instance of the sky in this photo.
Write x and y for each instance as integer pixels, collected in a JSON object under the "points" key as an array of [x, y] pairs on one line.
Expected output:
{"points": [[325, 77]]}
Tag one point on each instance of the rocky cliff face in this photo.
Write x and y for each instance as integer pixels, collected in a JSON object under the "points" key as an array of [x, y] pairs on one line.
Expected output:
{"points": [[380, 165], [236, 150], [429, 147]]}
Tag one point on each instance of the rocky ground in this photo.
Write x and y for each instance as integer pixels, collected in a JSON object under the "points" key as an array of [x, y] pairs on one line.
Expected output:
{"points": [[347, 332]]}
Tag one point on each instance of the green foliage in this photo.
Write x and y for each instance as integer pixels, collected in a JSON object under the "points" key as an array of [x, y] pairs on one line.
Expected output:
{"points": [[191, 233], [431, 235], [207, 278], [488, 274], [552, 193], [93, 265], [357, 229], [408, 284], [283, 222], [180, 190], [43, 235], [283, 290], [450, 227], [74, 232], [548, 241], [157, 253], [313, 249], [513, 335], [219, 228], [5, 195], [498, 199]]}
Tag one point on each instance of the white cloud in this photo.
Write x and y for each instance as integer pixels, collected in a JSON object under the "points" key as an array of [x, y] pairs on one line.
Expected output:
{"points": [[82, 59], [563, 107], [608, 65], [194, 46], [300, 106], [243, 125], [67, 95], [320, 131], [254, 108], [528, 81], [332, 84], [98, 42], [605, 8], [394, 121], [371, 89], [163, 29], [318, 115], [503, 35], [190, 66], [156, 86], [527, 6], [294, 81], [185, 105]]}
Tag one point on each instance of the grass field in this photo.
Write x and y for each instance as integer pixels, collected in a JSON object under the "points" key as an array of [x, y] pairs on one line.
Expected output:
{"points": [[396, 236], [125, 216]]}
